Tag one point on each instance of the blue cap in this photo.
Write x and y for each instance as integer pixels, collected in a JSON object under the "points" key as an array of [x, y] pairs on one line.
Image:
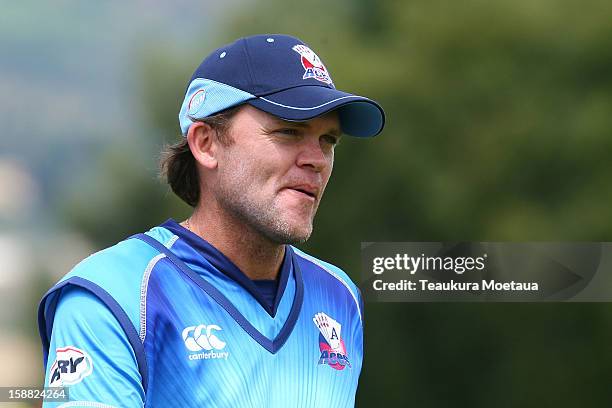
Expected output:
{"points": [[278, 74]]}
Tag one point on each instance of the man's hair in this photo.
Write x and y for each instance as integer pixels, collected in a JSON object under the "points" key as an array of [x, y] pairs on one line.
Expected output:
{"points": [[179, 167]]}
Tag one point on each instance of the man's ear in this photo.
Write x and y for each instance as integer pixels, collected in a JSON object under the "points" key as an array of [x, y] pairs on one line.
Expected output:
{"points": [[200, 138]]}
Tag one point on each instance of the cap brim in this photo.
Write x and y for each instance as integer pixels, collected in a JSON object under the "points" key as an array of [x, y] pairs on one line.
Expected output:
{"points": [[359, 116]]}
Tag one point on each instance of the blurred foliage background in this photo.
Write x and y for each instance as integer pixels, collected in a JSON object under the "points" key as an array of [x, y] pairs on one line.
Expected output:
{"points": [[498, 128]]}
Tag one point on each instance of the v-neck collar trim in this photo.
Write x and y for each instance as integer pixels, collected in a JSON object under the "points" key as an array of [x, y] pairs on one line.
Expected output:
{"points": [[227, 267], [272, 345]]}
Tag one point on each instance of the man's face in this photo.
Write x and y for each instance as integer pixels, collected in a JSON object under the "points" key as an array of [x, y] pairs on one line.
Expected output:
{"points": [[273, 175]]}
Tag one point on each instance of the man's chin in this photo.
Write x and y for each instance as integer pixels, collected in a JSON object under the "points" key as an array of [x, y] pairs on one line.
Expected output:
{"points": [[290, 234]]}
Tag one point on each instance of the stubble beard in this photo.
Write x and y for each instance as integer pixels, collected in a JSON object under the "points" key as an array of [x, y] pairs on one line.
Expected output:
{"points": [[263, 218]]}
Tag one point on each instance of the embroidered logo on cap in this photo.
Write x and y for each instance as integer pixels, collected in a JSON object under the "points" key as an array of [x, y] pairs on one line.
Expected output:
{"points": [[312, 64], [196, 102]]}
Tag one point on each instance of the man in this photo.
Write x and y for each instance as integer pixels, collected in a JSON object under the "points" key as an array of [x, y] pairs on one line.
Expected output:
{"points": [[221, 310]]}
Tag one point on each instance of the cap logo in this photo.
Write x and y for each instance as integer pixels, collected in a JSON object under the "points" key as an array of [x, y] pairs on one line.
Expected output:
{"points": [[312, 64], [196, 101]]}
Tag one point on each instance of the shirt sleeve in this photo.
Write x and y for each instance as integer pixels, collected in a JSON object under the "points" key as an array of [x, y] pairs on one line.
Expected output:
{"points": [[91, 355]]}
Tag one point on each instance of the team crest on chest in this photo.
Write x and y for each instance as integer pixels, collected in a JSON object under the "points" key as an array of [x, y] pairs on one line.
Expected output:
{"points": [[331, 345], [312, 64]]}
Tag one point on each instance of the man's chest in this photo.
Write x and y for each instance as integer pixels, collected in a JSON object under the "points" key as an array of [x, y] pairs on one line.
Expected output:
{"points": [[308, 354]]}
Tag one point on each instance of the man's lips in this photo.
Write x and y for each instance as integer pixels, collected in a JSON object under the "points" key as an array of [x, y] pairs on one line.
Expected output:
{"points": [[309, 190]]}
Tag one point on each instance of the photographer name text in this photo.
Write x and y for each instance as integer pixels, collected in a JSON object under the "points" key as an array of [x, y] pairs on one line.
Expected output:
{"points": [[461, 266]]}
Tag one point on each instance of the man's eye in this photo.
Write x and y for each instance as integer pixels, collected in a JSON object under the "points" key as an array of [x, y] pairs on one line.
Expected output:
{"points": [[333, 140], [288, 131]]}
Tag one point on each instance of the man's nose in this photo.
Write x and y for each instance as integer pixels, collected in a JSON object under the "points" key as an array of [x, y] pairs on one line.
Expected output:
{"points": [[312, 155]]}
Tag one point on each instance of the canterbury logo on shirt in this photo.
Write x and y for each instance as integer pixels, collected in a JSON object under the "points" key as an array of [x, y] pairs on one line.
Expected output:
{"points": [[204, 339]]}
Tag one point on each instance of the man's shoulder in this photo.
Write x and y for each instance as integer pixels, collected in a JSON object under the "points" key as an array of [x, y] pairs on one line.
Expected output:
{"points": [[328, 268], [120, 260], [124, 260], [323, 265], [118, 271]]}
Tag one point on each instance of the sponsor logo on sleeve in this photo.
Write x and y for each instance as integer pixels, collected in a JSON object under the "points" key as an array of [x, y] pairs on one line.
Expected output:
{"points": [[71, 365], [331, 345]]}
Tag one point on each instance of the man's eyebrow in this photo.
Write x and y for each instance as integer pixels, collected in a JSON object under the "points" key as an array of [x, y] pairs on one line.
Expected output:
{"points": [[332, 131]]}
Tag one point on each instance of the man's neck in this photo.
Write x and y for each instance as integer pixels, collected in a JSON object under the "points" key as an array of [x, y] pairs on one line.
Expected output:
{"points": [[253, 254]]}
